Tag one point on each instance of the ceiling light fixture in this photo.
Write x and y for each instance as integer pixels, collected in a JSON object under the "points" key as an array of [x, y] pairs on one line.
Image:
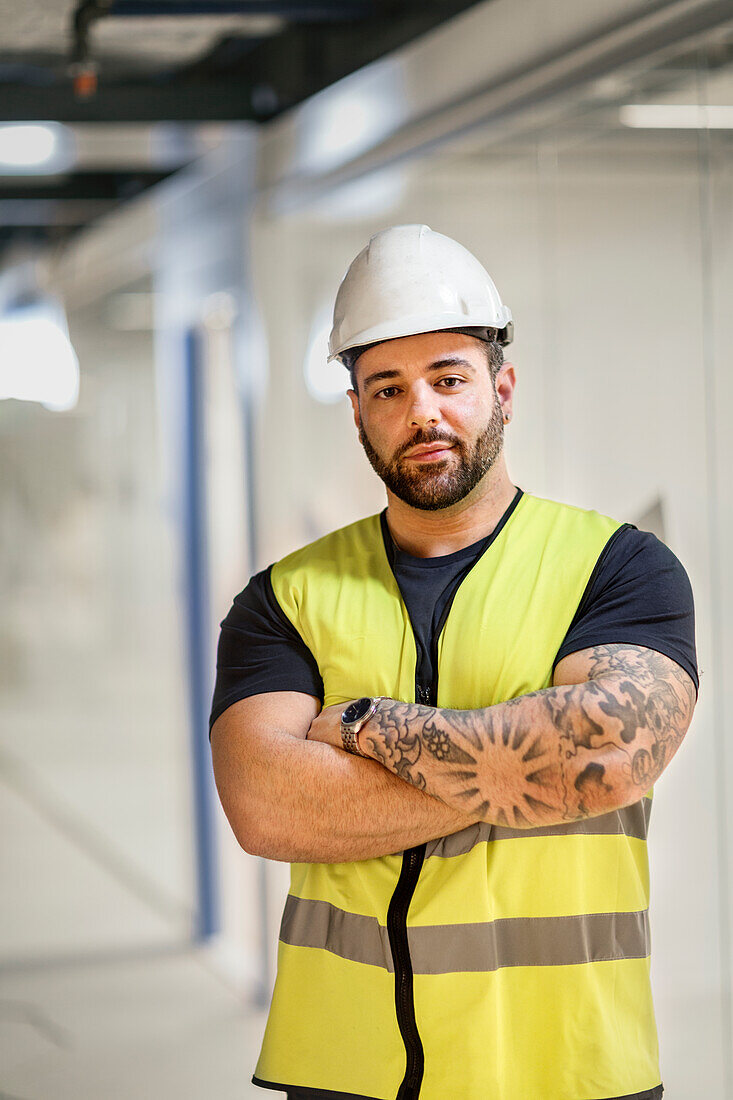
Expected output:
{"points": [[676, 116], [28, 148]]}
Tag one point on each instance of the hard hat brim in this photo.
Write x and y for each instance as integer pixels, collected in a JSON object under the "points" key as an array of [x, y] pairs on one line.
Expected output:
{"points": [[416, 326]]}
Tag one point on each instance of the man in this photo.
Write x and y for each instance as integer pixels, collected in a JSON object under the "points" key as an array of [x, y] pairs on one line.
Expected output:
{"points": [[449, 718]]}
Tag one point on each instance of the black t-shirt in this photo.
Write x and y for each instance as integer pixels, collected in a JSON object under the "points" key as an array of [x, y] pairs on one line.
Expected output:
{"points": [[638, 593]]}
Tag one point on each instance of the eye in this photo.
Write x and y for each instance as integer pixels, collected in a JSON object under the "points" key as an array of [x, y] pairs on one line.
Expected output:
{"points": [[451, 382], [387, 392]]}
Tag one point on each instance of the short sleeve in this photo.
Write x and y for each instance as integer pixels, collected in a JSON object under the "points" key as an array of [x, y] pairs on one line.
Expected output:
{"points": [[639, 593], [260, 650]]}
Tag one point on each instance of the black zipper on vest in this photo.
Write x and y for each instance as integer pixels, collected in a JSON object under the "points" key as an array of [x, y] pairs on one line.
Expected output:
{"points": [[412, 861]]}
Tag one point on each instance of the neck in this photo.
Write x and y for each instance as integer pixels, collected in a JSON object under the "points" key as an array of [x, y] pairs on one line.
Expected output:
{"points": [[433, 534]]}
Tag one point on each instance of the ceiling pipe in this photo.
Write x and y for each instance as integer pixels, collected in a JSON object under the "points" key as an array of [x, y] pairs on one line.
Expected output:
{"points": [[82, 68], [293, 10]]}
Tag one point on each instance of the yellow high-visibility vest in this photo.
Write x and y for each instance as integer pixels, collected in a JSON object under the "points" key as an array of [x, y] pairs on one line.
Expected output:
{"points": [[497, 963]]}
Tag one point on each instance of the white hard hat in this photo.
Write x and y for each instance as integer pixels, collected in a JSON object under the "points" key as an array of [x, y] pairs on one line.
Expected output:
{"points": [[408, 280]]}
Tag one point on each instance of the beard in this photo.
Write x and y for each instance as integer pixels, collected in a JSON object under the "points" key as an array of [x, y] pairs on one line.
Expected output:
{"points": [[444, 482]]}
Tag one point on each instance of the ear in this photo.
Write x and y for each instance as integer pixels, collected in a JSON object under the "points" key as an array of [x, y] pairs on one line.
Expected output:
{"points": [[506, 380], [354, 399]]}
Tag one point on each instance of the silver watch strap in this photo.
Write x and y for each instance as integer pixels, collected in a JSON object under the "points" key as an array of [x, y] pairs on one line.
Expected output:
{"points": [[350, 741], [349, 733]]}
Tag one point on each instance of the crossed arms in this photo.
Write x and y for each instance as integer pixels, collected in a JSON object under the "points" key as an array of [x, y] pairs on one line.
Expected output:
{"points": [[596, 740]]}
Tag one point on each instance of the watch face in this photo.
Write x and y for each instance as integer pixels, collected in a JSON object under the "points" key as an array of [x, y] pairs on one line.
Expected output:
{"points": [[356, 710]]}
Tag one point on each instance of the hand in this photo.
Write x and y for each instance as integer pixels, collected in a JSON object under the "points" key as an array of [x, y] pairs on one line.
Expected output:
{"points": [[326, 726]]}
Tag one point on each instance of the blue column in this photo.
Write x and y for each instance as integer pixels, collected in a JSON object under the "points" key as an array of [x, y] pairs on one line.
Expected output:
{"points": [[195, 578]]}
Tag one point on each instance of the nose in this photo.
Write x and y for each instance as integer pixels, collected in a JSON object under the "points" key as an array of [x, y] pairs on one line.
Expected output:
{"points": [[424, 408]]}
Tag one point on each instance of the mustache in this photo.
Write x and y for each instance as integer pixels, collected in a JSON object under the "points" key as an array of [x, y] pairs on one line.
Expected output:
{"points": [[423, 437]]}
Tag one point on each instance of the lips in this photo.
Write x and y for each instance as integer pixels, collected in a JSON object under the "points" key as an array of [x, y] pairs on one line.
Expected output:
{"points": [[429, 452]]}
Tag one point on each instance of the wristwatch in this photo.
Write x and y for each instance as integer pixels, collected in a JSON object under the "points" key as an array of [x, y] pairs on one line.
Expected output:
{"points": [[356, 715]]}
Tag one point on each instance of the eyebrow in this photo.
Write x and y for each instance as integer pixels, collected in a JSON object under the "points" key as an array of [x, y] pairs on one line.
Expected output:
{"points": [[438, 364]]}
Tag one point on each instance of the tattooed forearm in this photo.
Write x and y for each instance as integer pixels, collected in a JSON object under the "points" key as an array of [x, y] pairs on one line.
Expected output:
{"points": [[555, 755]]}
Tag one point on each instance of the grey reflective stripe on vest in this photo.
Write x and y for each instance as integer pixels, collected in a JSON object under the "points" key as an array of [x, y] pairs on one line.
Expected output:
{"points": [[486, 946], [630, 821]]}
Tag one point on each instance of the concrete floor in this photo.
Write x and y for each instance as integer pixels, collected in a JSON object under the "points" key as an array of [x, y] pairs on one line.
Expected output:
{"points": [[102, 996], [157, 1024]]}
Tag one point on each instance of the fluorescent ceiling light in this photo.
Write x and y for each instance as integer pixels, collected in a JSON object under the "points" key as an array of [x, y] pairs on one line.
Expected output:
{"points": [[676, 116], [34, 147]]}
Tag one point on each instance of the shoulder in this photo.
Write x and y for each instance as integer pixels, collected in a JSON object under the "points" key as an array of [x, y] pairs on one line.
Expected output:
{"points": [[356, 538], [638, 594], [254, 608], [640, 557], [626, 549], [575, 532], [635, 568], [255, 591], [545, 506]]}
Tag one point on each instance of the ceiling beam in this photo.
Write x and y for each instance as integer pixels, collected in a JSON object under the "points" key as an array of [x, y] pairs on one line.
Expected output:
{"points": [[23, 213], [134, 102], [294, 10], [406, 112], [82, 185]]}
